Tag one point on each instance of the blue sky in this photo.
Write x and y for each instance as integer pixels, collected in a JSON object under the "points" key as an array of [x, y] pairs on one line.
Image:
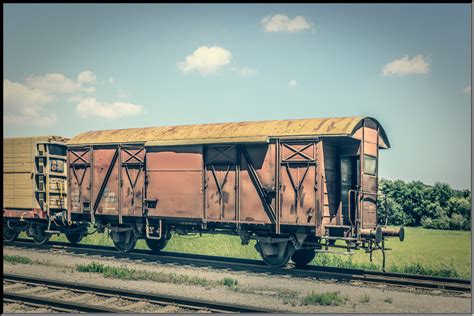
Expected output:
{"points": [[74, 68]]}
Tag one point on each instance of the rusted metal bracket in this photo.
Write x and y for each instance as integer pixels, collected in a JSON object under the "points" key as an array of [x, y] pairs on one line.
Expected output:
{"points": [[75, 166], [297, 152], [220, 186], [258, 185], [106, 180], [296, 186], [80, 156], [149, 229], [127, 164]]}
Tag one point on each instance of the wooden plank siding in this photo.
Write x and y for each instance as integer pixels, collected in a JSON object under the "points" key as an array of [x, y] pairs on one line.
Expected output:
{"points": [[18, 168]]}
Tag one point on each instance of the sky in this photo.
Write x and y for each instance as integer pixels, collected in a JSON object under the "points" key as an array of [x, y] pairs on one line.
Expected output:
{"points": [[77, 67]]}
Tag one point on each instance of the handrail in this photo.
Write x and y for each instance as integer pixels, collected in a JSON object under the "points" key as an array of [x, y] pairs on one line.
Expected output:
{"points": [[355, 191], [349, 205]]}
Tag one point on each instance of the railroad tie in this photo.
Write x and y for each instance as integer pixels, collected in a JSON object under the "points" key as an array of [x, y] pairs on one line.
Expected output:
{"points": [[14, 286], [32, 290], [55, 293], [111, 300], [81, 297], [136, 306]]}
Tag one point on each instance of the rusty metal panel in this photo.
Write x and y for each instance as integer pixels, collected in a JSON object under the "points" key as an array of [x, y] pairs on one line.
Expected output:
{"points": [[175, 176], [370, 149], [298, 183], [79, 177], [221, 192], [262, 157], [221, 154], [221, 182], [209, 141], [369, 183], [235, 132], [370, 135], [298, 152], [132, 179], [369, 211], [329, 169], [105, 186]]}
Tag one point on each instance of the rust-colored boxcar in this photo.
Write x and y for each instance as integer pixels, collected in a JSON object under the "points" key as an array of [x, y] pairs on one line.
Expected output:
{"points": [[34, 186], [288, 184]]}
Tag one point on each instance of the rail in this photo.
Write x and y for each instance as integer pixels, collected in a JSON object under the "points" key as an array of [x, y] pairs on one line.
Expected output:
{"points": [[188, 304], [317, 272]]}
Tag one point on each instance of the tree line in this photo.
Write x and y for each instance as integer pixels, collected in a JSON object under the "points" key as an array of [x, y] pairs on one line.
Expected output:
{"points": [[417, 204]]}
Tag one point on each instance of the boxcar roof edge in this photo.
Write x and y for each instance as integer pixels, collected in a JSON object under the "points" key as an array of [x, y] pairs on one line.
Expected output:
{"points": [[232, 132]]}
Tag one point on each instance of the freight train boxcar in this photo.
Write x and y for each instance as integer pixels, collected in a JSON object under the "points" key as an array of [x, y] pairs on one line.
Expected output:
{"points": [[295, 186], [34, 187]]}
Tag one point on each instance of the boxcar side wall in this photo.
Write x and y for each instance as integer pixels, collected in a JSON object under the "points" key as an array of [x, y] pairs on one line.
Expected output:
{"points": [[281, 184]]}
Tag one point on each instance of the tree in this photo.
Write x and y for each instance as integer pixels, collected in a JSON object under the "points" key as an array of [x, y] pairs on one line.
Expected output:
{"points": [[415, 204], [460, 205], [457, 221], [441, 193]]}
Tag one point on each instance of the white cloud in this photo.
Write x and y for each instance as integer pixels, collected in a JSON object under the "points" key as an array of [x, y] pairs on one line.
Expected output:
{"points": [[111, 80], [467, 90], [86, 76], [292, 84], [24, 105], [405, 66], [282, 23], [53, 83], [206, 60], [90, 107], [60, 84], [247, 71]]}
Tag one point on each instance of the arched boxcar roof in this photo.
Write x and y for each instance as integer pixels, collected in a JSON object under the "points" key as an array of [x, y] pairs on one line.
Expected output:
{"points": [[256, 131]]}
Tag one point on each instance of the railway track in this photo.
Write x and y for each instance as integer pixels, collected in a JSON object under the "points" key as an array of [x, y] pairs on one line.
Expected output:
{"points": [[69, 296], [28, 307], [341, 274]]}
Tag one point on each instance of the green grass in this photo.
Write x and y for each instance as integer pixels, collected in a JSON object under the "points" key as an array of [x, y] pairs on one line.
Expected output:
{"points": [[17, 259], [125, 273], [388, 300], [230, 282], [424, 251], [364, 299], [325, 298]]}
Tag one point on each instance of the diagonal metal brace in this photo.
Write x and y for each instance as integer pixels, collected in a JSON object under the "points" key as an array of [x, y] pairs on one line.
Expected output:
{"points": [[258, 185], [220, 187], [296, 186], [106, 180]]}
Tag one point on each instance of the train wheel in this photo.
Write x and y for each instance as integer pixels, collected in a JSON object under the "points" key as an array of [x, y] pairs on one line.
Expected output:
{"points": [[9, 234], [75, 238], [124, 241], [283, 256], [40, 237], [156, 244], [302, 257]]}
